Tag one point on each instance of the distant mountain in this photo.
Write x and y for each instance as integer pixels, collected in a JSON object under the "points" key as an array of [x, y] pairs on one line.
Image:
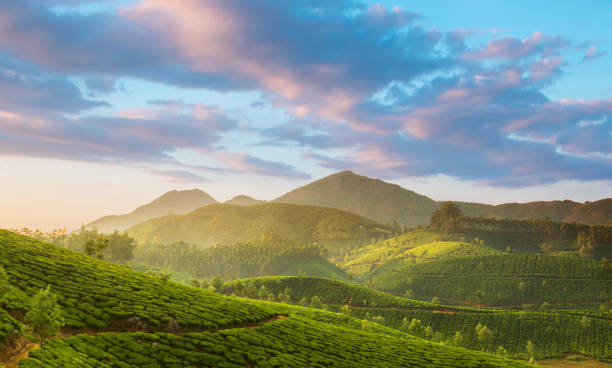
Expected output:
{"points": [[226, 224], [592, 213], [243, 200], [385, 202], [371, 198], [173, 202]]}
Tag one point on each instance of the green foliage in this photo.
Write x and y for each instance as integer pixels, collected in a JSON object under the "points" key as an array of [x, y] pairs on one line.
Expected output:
{"points": [[5, 285], [217, 224], [446, 217], [289, 342], [96, 293], [555, 332], [500, 280], [44, 319], [267, 255], [327, 291], [95, 247]]}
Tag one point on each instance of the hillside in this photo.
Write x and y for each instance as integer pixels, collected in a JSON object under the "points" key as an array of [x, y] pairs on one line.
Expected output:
{"points": [[117, 318], [376, 256], [599, 212], [173, 202], [268, 255], [243, 200], [552, 333], [371, 198], [385, 203], [501, 280], [226, 224]]}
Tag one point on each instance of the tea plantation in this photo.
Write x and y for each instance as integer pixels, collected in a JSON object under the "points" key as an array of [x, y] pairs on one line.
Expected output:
{"points": [[202, 328], [501, 280], [552, 333], [289, 342]]}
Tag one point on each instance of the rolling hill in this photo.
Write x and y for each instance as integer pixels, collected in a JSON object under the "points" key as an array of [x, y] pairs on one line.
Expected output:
{"points": [[226, 224], [119, 318], [553, 333], [385, 202], [173, 202], [243, 200], [268, 255], [507, 280]]}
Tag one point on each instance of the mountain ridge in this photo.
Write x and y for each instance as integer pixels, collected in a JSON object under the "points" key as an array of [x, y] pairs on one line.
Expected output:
{"points": [[172, 202], [386, 202]]}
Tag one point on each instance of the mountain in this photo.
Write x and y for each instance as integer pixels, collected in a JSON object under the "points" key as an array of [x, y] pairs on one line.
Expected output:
{"points": [[173, 202], [226, 224], [368, 197], [592, 213], [243, 200], [385, 202]]}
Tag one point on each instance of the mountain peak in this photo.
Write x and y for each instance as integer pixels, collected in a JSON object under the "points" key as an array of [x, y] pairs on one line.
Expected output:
{"points": [[243, 200], [172, 202], [369, 197]]}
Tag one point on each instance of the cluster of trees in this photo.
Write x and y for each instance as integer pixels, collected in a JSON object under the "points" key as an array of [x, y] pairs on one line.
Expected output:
{"points": [[116, 247], [267, 255], [446, 218], [589, 241]]}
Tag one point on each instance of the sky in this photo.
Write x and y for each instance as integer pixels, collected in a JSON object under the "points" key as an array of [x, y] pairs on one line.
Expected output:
{"points": [[105, 105]]}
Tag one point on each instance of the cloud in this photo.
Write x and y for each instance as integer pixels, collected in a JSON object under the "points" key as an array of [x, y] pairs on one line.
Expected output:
{"points": [[146, 135], [246, 164], [366, 87], [26, 87], [512, 48], [593, 54]]}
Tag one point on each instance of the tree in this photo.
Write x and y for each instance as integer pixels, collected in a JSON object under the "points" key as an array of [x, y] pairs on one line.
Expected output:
{"points": [[95, 247], [458, 339], [483, 334], [530, 350], [315, 302], [217, 283], [501, 351], [446, 217], [4, 283], [195, 283], [44, 319], [263, 292], [120, 247], [416, 328]]}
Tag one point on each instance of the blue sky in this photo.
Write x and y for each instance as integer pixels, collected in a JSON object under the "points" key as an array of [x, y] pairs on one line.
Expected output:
{"points": [[104, 105]]}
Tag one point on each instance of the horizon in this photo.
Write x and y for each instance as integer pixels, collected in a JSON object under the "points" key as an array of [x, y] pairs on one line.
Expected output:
{"points": [[106, 105]]}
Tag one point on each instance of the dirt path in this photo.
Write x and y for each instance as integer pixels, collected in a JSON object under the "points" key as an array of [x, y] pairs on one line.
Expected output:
{"points": [[23, 348], [12, 361]]}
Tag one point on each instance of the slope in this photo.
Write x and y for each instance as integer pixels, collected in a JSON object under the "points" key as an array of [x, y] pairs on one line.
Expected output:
{"points": [[500, 280], [371, 198], [418, 245], [592, 213], [226, 224], [173, 202], [385, 203], [553, 333], [202, 328], [268, 255]]}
